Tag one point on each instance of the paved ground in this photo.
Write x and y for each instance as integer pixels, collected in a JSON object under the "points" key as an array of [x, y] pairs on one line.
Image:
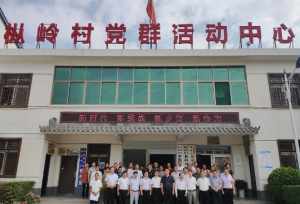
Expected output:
{"points": [[58, 200]]}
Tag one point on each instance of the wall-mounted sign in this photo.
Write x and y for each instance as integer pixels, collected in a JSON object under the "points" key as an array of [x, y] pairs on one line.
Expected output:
{"points": [[266, 160], [186, 153], [145, 117]]}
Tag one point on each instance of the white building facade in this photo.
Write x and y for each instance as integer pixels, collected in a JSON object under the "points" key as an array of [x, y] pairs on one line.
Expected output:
{"points": [[208, 106]]}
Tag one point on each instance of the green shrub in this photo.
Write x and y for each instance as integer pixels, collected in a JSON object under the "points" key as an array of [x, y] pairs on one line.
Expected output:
{"points": [[278, 179], [11, 192], [291, 194]]}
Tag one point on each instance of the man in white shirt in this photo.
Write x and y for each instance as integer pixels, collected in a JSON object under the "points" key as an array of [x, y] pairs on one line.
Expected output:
{"points": [[123, 188], [146, 188], [203, 183], [134, 186], [155, 188], [191, 188], [180, 189], [95, 187], [111, 183]]}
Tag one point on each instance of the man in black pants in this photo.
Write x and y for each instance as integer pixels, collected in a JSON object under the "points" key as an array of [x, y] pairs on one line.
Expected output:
{"points": [[111, 183], [167, 187], [181, 189]]}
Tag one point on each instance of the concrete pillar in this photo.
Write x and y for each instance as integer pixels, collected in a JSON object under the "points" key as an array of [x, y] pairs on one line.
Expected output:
{"points": [[116, 153]]}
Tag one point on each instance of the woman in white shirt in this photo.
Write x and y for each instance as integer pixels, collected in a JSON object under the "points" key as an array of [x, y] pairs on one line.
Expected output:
{"points": [[95, 187], [156, 191], [228, 187], [203, 184], [123, 188], [146, 188]]}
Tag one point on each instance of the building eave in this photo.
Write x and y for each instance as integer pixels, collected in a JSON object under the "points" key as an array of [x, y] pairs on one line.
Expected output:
{"points": [[176, 129]]}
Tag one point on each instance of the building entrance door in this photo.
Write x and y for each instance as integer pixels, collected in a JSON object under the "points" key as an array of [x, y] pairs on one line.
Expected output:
{"points": [[137, 156], [67, 174], [99, 153], [204, 159], [163, 159]]}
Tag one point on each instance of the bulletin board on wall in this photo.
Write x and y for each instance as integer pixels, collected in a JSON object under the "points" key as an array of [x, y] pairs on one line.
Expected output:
{"points": [[186, 153]]}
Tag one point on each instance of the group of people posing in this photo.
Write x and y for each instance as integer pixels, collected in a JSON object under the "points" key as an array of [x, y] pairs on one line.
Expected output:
{"points": [[157, 184]]}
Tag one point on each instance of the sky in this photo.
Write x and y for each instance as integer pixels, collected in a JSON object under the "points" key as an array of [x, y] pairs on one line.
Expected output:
{"points": [[233, 13]]}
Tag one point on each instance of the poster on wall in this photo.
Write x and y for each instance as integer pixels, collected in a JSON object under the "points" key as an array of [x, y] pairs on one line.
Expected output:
{"points": [[265, 158], [82, 161], [186, 153]]}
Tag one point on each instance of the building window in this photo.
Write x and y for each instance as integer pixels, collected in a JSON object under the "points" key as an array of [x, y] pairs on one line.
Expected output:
{"points": [[277, 90], [222, 93], [9, 156], [150, 86], [287, 153], [14, 90]]}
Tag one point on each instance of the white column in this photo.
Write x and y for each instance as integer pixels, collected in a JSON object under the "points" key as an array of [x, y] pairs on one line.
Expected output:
{"points": [[116, 153]]}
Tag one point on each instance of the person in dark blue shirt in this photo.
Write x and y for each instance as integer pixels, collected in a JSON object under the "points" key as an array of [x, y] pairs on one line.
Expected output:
{"points": [[167, 187]]}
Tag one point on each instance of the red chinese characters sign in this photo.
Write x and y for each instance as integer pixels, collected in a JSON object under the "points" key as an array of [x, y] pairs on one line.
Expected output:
{"points": [[149, 34], [47, 32], [145, 117], [14, 34], [183, 34], [82, 34], [250, 32], [216, 33], [115, 34], [278, 35]]}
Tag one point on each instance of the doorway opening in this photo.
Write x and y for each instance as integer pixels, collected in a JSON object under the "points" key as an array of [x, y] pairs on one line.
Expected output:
{"points": [[137, 156], [67, 175], [204, 160], [99, 153], [163, 159]]}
